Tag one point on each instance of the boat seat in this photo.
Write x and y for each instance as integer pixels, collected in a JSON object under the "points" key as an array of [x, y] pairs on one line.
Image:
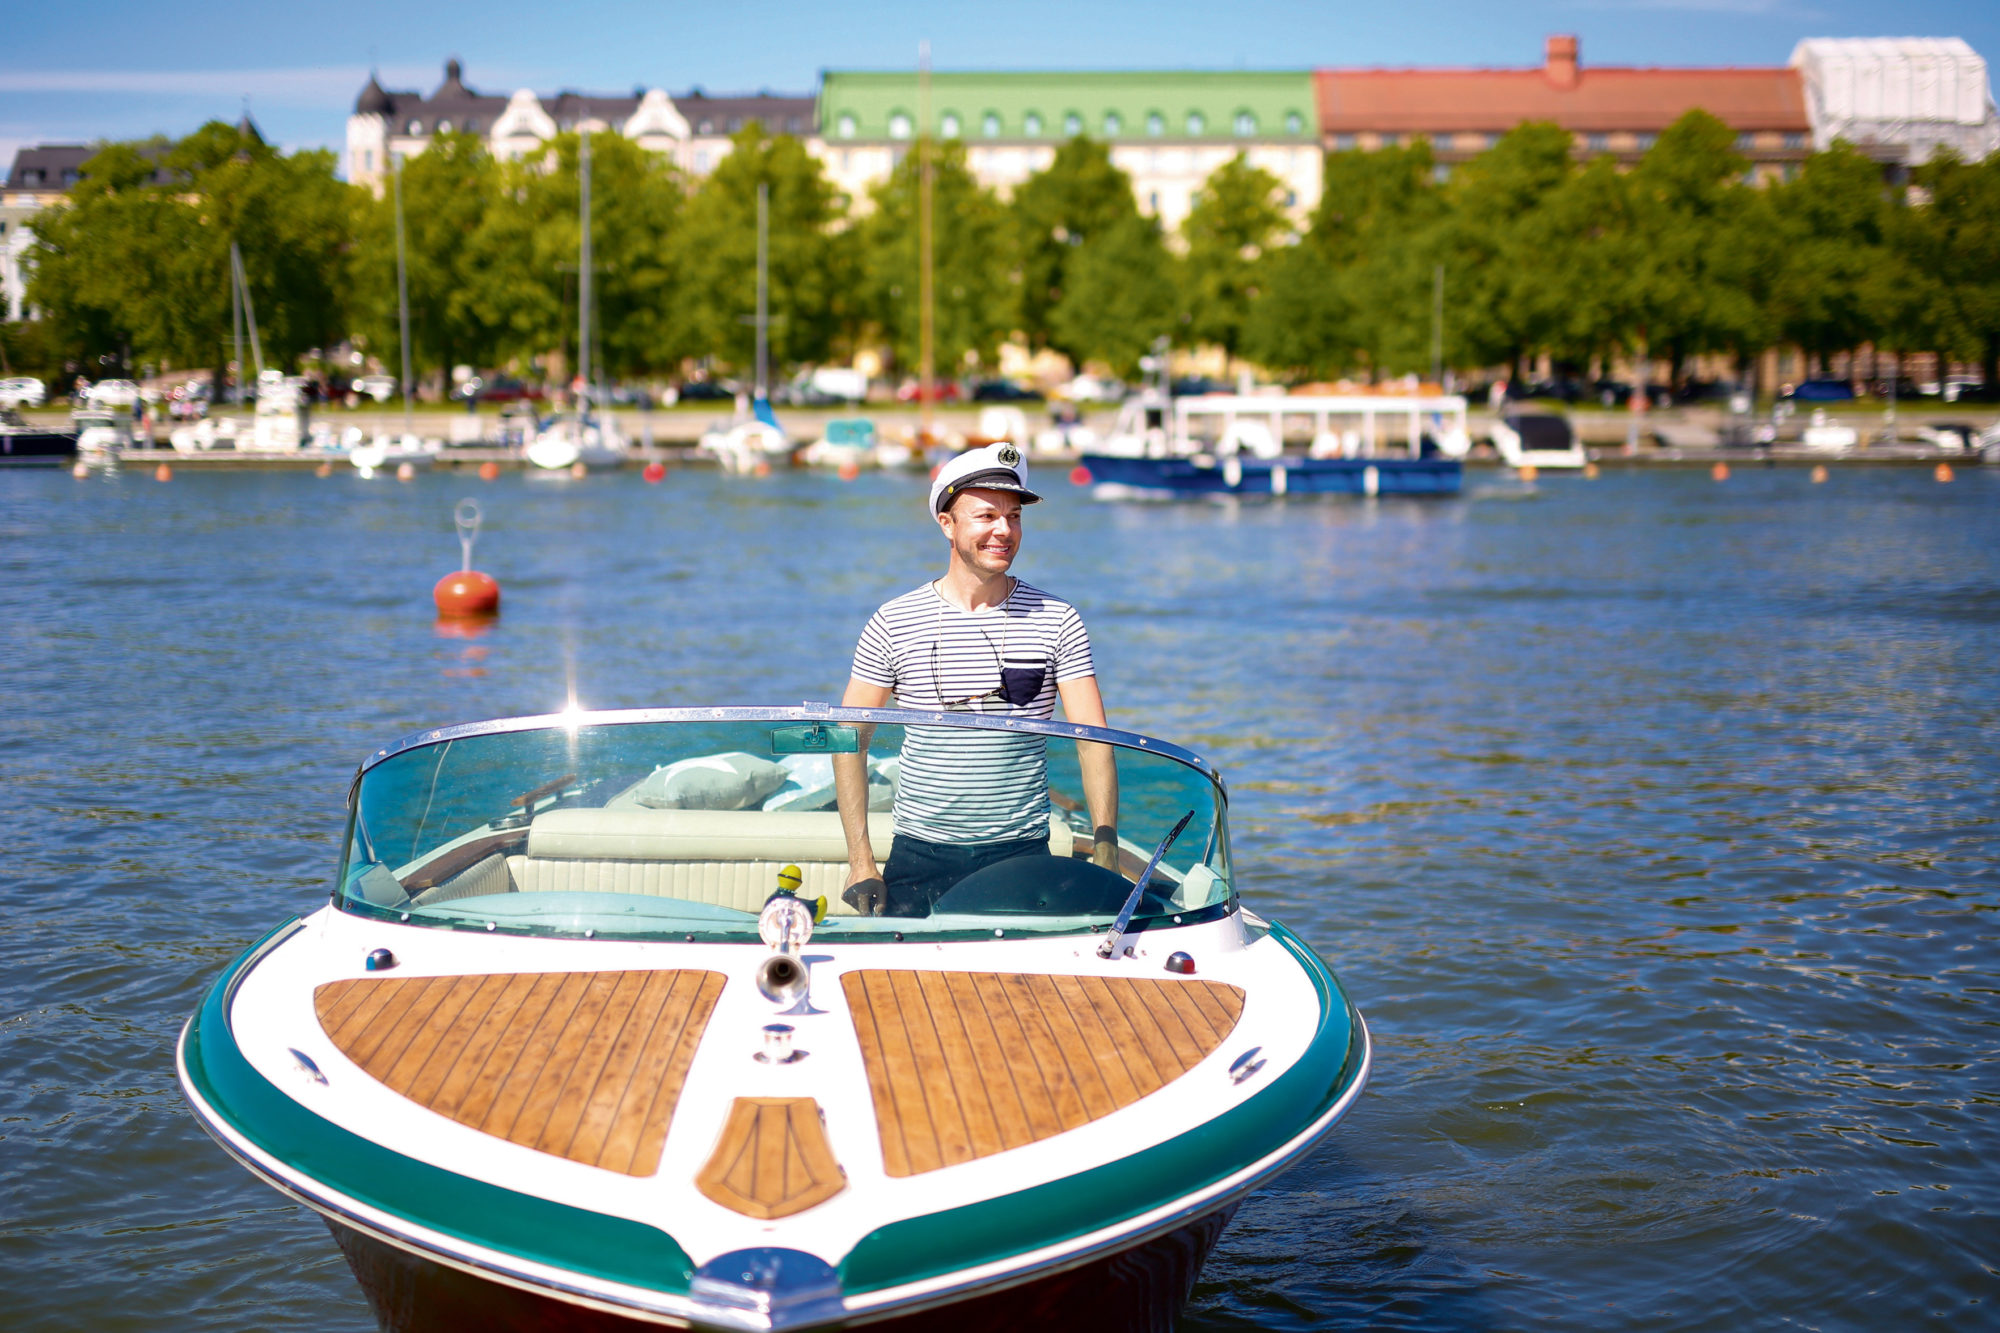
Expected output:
{"points": [[726, 858]]}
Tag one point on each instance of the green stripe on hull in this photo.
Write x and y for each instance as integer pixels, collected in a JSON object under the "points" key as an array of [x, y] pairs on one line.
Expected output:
{"points": [[982, 1233], [615, 1249]]}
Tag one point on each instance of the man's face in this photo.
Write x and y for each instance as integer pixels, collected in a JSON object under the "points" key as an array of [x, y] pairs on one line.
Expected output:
{"points": [[984, 528]]}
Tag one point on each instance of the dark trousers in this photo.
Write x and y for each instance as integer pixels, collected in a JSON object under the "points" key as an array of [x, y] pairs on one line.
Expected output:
{"points": [[919, 872]]}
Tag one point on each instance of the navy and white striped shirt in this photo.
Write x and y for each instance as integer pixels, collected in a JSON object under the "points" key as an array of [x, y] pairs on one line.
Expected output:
{"points": [[960, 785]]}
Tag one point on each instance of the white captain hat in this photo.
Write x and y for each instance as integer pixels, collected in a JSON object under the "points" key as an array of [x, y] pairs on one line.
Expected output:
{"points": [[994, 467]]}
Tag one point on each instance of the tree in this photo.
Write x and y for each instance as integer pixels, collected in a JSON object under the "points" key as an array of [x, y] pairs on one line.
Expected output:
{"points": [[448, 190], [1236, 221], [809, 265], [1120, 293], [522, 266], [1056, 211], [975, 300]]}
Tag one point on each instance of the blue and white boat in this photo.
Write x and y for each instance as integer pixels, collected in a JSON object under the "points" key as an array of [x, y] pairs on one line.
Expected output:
{"points": [[1234, 445], [588, 1039]]}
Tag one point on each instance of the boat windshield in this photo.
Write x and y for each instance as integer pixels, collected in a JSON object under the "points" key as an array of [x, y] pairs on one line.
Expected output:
{"points": [[630, 827]]}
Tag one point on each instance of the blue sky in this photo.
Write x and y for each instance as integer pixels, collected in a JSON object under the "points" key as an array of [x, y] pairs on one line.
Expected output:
{"points": [[142, 68]]}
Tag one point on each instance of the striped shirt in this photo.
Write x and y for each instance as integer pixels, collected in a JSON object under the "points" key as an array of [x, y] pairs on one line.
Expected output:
{"points": [[961, 785]]}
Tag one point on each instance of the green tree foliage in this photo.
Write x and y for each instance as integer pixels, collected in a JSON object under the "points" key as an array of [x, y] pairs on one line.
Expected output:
{"points": [[975, 300], [1056, 212], [810, 269], [1236, 221], [448, 191], [131, 264], [521, 269], [1121, 292]]}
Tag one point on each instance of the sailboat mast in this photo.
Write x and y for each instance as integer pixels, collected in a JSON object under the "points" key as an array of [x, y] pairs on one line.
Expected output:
{"points": [[926, 313], [403, 299], [583, 289], [763, 289]]}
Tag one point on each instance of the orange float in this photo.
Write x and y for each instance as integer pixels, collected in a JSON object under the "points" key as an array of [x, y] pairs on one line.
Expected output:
{"points": [[655, 473]]}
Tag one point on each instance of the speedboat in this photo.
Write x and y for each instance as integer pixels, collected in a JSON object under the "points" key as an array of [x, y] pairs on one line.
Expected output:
{"points": [[589, 1036]]}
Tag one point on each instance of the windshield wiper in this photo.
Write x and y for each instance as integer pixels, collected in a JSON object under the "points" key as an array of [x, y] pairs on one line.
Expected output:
{"points": [[1110, 946]]}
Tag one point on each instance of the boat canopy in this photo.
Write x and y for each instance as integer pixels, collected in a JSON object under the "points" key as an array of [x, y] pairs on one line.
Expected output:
{"points": [[680, 824]]}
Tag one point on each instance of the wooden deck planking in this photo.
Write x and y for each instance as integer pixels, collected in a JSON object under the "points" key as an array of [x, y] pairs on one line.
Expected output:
{"points": [[962, 1065], [772, 1160], [583, 1065]]}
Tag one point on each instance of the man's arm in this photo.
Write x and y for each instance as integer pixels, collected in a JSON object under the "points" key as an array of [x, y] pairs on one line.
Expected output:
{"points": [[850, 783], [1083, 704]]}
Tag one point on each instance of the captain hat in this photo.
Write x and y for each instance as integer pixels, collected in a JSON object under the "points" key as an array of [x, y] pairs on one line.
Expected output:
{"points": [[994, 467]]}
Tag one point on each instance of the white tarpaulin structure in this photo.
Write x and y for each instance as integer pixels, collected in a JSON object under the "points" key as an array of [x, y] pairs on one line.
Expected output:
{"points": [[1898, 98]]}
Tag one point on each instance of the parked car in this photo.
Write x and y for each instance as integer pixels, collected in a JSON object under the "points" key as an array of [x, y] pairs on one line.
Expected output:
{"points": [[942, 391], [1819, 391], [22, 391], [707, 391], [1004, 391]]}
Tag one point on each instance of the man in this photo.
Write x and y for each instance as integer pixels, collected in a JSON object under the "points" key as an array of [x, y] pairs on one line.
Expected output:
{"points": [[976, 640]]}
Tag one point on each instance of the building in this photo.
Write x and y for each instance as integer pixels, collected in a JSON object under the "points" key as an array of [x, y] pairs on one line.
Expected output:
{"points": [[1166, 130], [693, 129], [1898, 99], [1616, 110]]}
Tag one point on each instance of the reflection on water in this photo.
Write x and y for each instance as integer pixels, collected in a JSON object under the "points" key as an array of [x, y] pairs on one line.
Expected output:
{"points": [[1649, 819]]}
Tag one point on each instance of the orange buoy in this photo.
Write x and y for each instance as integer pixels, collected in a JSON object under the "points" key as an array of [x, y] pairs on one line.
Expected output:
{"points": [[849, 471], [163, 473], [80, 471], [1079, 475], [1944, 472], [1528, 472], [489, 471], [578, 471], [762, 469], [1590, 471], [655, 473], [406, 472], [1818, 475], [466, 592], [1720, 472]]}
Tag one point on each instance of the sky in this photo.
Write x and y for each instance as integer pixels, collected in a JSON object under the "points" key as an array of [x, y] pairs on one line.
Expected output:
{"points": [[142, 68]]}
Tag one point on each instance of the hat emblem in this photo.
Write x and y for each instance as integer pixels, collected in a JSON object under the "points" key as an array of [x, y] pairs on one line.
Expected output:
{"points": [[1008, 455]]}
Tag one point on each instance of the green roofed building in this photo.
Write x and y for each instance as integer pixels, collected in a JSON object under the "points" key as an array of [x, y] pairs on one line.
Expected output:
{"points": [[1167, 129]]}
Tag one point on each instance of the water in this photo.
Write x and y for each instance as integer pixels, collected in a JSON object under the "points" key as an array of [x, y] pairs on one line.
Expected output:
{"points": [[1650, 820]]}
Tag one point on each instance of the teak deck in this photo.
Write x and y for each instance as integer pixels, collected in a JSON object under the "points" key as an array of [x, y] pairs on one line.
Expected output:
{"points": [[585, 1065], [773, 1159], [962, 1065]]}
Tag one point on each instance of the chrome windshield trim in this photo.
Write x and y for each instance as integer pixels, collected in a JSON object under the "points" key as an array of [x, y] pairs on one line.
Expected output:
{"points": [[808, 712]]}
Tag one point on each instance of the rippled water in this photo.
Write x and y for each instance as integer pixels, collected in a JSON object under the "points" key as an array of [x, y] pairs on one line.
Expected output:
{"points": [[1650, 820]]}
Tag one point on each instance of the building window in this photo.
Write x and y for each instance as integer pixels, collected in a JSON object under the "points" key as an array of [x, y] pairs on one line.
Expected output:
{"points": [[1156, 124], [989, 125], [1072, 124], [1597, 143], [416, 127], [899, 125], [1343, 143], [1197, 124], [1246, 124], [1294, 123], [1114, 124], [844, 127], [949, 126], [1794, 140], [1031, 125]]}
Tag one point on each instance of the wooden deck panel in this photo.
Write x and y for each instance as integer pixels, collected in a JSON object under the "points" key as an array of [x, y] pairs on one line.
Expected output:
{"points": [[772, 1160], [962, 1065], [584, 1065]]}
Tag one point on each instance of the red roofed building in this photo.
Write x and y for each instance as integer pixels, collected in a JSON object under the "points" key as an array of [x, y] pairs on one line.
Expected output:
{"points": [[1614, 110]]}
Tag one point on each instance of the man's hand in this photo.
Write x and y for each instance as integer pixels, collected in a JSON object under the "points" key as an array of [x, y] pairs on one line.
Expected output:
{"points": [[867, 896]]}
